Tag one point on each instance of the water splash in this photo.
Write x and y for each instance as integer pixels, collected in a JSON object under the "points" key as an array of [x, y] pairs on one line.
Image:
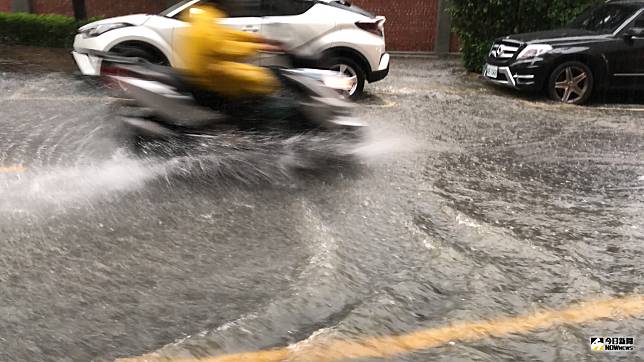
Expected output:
{"points": [[62, 185], [230, 158]]}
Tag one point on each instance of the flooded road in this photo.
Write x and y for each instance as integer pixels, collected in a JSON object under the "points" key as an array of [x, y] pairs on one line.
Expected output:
{"points": [[467, 203]]}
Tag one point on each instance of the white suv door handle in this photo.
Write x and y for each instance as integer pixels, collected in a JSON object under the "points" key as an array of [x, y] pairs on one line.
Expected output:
{"points": [[251, 28]]}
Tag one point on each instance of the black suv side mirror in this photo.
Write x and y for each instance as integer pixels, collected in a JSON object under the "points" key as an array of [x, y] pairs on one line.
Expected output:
{"points": [[634, 33]]}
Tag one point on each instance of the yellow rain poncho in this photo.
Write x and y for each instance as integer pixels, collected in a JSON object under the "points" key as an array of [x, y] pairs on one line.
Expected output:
{"points": [[214, 56]]}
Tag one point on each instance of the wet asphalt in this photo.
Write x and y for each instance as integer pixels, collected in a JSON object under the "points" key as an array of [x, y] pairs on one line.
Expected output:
{"points": [[467, 202]]}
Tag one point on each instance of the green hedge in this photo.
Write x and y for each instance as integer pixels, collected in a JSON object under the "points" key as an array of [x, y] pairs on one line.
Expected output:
{"points": [[479, 22], [38, 30]]}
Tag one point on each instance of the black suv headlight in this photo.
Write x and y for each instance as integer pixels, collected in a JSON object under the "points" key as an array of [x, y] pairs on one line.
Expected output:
{"points": [[534, 50]]}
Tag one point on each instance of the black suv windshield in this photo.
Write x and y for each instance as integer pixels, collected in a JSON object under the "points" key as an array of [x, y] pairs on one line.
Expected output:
{"points": [[604, 19]]}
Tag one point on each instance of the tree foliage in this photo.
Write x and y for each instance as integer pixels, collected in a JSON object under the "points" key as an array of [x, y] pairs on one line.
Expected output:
{"points": [[479, 22], [38, 30]]}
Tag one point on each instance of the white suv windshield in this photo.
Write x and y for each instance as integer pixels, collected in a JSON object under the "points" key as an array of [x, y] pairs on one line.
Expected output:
{"points": [[175, 9]]}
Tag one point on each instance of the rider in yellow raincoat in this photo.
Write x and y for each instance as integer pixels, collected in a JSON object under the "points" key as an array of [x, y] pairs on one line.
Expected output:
{"points": [[214, 56]]}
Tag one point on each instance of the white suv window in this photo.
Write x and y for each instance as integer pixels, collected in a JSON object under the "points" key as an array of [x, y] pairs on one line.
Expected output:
{"points": [[286, 7], [245, 9], [256, 8], [238, 9]]}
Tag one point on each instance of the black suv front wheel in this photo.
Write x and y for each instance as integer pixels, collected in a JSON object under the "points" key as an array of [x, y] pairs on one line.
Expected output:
{"points": [[571, 83]]}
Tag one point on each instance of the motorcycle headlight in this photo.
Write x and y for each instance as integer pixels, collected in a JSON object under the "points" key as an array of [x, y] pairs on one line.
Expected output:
{"points": [[97, 30], [534, 50]]}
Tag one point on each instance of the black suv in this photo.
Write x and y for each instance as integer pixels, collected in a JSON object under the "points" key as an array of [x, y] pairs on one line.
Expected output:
{"points": [[602, 49]]}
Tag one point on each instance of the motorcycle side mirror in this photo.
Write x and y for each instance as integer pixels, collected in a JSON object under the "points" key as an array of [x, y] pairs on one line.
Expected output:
{"points": [[634, 33]]}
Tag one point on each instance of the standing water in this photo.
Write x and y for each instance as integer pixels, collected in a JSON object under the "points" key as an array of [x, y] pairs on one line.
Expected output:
{"points": [[248, 242]]}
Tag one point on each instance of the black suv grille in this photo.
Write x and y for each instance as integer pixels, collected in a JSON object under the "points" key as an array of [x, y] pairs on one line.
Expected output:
{"points": [[504, 49]]}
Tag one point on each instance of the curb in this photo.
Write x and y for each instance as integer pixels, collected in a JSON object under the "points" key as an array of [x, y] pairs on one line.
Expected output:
{"points": [[424, 55]]}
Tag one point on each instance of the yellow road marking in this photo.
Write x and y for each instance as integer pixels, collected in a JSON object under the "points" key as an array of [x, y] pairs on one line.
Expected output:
{"points": [[623, 109], [13, 169], [384, 347]]}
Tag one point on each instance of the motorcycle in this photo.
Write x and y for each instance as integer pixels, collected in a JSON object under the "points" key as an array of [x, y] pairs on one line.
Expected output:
{"points": [[163, 104]]}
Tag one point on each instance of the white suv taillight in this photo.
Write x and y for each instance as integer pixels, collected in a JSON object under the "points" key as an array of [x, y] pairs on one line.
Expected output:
{"points": [[374, 26]]}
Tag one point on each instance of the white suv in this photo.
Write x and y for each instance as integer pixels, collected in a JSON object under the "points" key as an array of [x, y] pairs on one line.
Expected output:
{"points": [[347, 38]]}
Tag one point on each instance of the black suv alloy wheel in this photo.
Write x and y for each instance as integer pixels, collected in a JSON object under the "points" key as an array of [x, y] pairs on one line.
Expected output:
{"points": [[571, 82]]}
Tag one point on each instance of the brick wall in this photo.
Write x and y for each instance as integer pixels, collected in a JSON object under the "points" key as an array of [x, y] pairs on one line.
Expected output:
{"points": [[115, 8], [63, 7], [98, 7], [411, 24]]}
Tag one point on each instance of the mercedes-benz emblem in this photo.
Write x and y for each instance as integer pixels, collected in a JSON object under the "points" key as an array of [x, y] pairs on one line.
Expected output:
{"points": [[499, 51]]}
